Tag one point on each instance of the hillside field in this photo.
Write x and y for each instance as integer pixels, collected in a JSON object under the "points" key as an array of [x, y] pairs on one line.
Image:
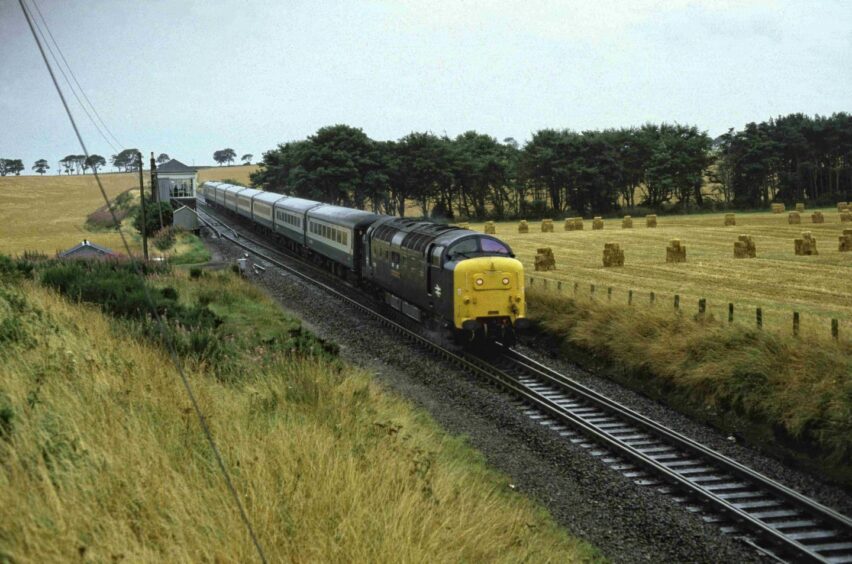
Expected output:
{"points": [[240, 173], [778, 281], [48, 213]]}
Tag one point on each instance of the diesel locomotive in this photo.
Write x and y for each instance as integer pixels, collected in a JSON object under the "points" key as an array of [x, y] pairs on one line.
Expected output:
{"points": [[445, 277]]}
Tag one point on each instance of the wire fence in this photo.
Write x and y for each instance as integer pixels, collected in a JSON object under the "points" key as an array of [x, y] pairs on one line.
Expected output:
{"points": [[773, 318]]}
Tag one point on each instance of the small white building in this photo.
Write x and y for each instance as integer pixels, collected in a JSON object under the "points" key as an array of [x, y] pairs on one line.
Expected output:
{"points": [[177, 181]]}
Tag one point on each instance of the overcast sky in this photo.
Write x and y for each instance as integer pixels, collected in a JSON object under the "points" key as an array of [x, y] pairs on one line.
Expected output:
{"points": [[188, 78]]}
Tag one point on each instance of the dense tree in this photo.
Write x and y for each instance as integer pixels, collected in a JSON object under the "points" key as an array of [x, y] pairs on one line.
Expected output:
{"points": [[223, 156], [127, 160], [247, 158], [95, 162], [41, 166], [67, 164], [163, 158], [11, 166], [153, 212]]}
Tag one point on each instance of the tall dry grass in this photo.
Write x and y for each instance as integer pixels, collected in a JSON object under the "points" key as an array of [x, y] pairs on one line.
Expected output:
{"points": [[793, 393], [101, 459]]}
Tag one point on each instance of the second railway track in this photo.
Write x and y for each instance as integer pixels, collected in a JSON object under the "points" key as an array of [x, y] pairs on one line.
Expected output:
{"points": [[741, 501]]}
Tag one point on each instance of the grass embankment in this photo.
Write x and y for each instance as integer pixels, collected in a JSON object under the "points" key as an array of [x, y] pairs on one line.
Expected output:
{"points": [[792, 396], [101, 457], [778, 281]]}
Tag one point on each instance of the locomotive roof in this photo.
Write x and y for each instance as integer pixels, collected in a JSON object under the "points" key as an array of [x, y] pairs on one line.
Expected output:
{"points": [[346, 217]]}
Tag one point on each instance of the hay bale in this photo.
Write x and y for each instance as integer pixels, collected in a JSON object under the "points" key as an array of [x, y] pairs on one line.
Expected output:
{"points": [[613, 255], [843, 206], [490, 228], [651, 220], [794, 218], [730, 219], [744, 247], [778, 208], [597, 222], [523, 227], [817, 217], [800, 207], [627, 222], [547, 226], [463, 225], [845, 241], [806, 245], [676, 251], [544, 259], [574, 224], [846, 217]]}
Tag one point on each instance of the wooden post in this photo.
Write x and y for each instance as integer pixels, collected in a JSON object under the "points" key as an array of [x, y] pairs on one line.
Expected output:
{"points": [[592, 291], [609, 294], [142, 203], [576, 288], [730, 313], [758, 314], [532, 280], [795, 323], [653, 298], [544, 283], [835, 329], [677, 301], [702, 306], [630, 297], [155, 193], [559, 285]]}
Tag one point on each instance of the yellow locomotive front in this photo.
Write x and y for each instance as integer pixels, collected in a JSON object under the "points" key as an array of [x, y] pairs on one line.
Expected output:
{"points": [[489, 297]]}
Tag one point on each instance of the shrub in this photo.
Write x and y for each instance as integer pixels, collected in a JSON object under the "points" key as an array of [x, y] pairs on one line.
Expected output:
{"points": [[153, 210], [164, 239], [195, 273]]}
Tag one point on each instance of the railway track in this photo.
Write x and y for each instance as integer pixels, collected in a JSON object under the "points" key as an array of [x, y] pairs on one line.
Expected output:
{"points": [[771, 517]]}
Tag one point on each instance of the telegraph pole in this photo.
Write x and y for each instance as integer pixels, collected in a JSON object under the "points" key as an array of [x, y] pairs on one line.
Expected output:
{"points": [[155, 189], [144, 220]]}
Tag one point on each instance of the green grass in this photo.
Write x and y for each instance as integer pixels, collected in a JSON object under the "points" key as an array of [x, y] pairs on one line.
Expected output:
{"points": [[101, 458], [189, 249], [792, 396]]}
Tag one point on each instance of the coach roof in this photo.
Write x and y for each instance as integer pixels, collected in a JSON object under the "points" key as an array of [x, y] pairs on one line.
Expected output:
{"points": [[346, 217]]}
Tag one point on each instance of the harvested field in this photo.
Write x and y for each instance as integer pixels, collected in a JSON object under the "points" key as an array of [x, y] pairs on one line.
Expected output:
{"points": [[239, 173], [819, 287], [49, 213]]}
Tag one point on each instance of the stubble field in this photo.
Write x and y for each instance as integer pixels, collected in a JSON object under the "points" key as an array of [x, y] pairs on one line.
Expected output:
{"points": [[818, 287]]}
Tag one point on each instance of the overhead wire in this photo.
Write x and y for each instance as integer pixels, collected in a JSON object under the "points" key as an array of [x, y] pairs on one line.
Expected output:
{"points": [[165, 336], [71, 71], [71, 86]]}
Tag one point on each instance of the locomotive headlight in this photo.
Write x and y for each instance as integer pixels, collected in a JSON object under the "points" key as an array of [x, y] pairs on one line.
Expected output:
{"points": [[506, 281], [480, 281]]}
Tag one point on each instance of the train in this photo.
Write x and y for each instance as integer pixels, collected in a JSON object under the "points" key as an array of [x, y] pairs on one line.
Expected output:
{"points": [[465, 284]]}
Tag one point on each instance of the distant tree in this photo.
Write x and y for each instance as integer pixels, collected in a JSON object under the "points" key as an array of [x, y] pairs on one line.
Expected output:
{"points": [[14, 166], [67, 164], [163, 158], [247, 158], [4, 164], [223, 156], [94, 162], [126, 160], [41, 166]]}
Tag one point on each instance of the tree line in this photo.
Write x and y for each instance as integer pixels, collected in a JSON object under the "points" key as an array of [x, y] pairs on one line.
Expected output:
{"points": [[227, 156], [665, 166]]}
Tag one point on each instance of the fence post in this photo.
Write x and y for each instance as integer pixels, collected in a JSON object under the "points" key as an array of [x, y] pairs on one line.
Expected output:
{"points": [[702, 306], [576, 288], [609, 294], [532, 280], [544, 282], [559, 285], [795, 323], [730, 312], [835, 329], [677, 301], [653, 297], [758, 314], [630, 297]]}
